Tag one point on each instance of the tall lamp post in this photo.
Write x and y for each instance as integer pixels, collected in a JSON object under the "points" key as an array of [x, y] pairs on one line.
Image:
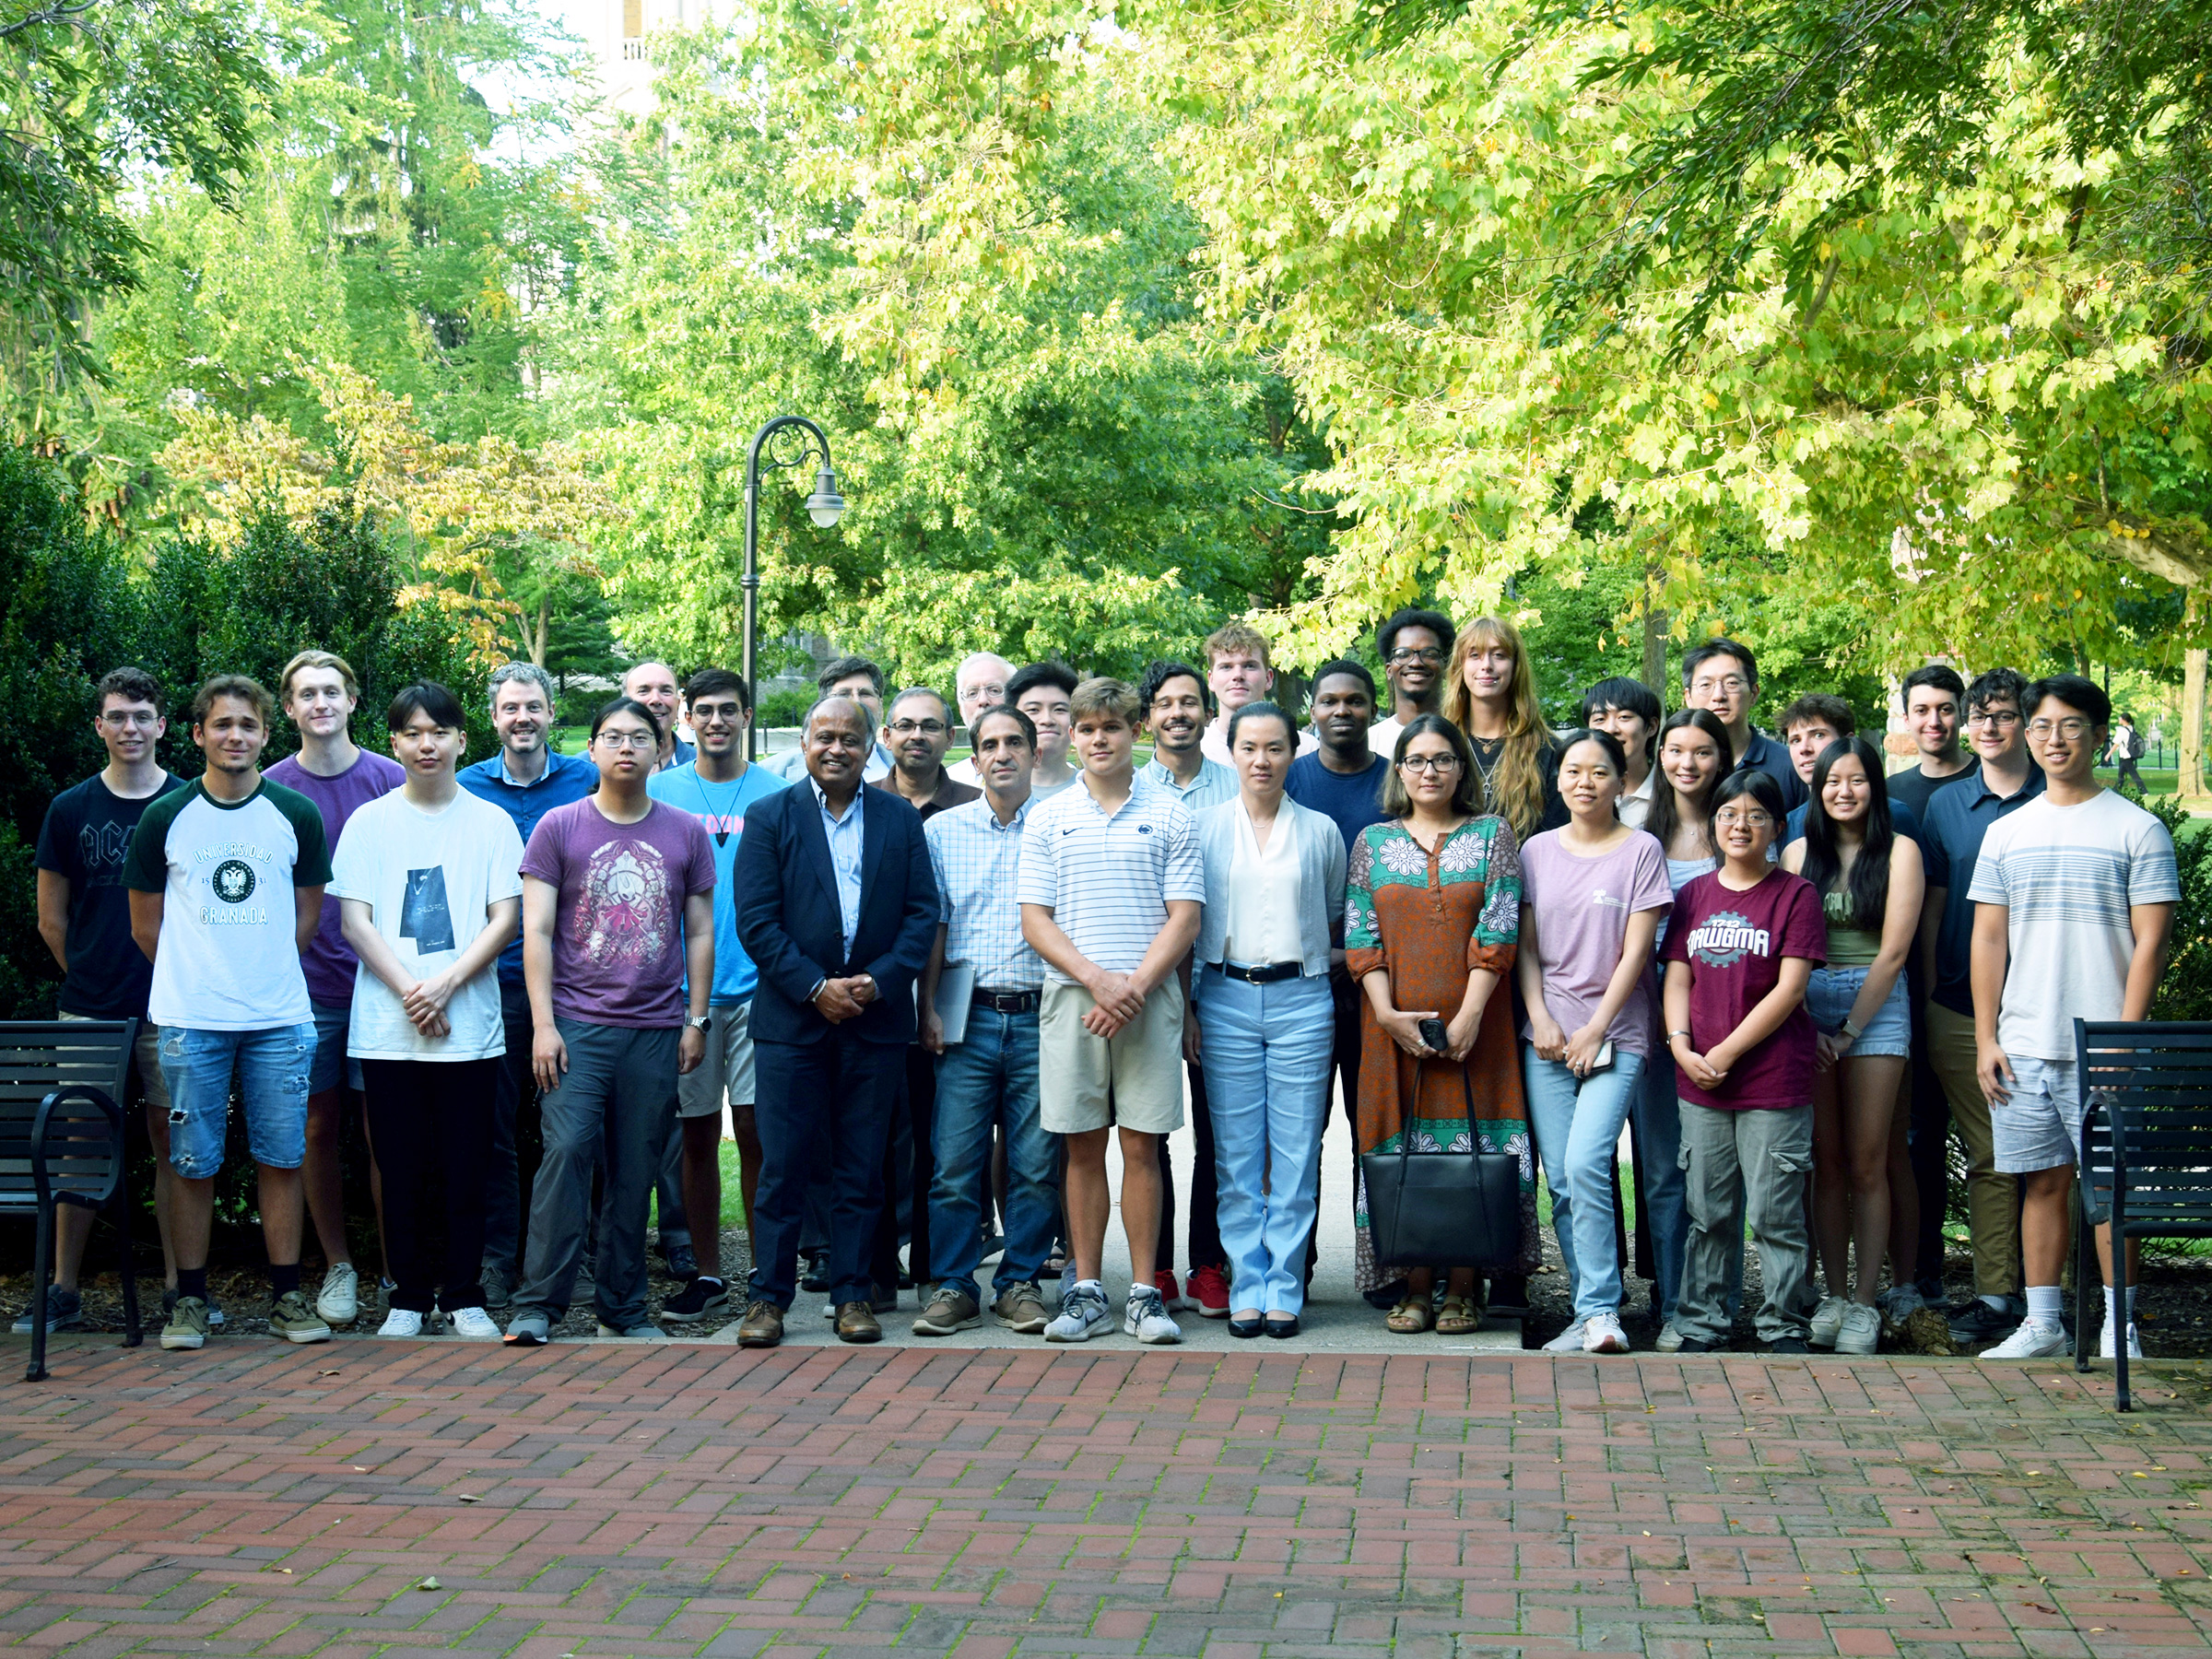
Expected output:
{"points": [[825, 506]]}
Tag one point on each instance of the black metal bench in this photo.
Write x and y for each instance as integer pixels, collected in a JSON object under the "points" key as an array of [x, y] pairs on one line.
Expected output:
{"points": [[61, 1141], [2145, 1162]]}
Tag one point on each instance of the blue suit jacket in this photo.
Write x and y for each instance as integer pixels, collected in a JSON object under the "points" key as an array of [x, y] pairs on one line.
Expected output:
{"points": [[789, 924]]}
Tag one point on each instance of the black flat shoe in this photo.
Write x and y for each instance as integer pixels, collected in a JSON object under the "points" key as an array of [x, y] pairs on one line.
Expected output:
{"points": [[1245, 1327], [1698, 1345], [1282, 1329]]}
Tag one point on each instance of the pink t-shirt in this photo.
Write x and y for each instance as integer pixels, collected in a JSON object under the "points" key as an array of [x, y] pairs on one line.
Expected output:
{"points": [[1733, 943], [618, 932], [328, 961], [1583, 907]]}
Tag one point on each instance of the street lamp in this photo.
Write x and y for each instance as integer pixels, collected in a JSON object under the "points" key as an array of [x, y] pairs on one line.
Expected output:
{"points": [[825, 507]]}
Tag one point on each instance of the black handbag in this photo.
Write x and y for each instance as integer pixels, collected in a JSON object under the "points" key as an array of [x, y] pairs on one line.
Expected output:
{"points": [[1445, 1209]]}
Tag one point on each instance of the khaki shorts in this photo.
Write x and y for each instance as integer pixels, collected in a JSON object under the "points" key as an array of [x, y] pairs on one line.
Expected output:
{"points": [[727, 1068], [147, 1054], [1133, 1078]]}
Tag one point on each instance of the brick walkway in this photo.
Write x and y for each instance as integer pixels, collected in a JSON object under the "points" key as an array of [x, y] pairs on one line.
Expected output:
{"points": [[989, 1504]]}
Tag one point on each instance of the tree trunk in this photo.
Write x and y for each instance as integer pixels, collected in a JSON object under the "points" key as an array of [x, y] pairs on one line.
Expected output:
{"points": [[545, 615], [1656, 623], [2191, 784]]}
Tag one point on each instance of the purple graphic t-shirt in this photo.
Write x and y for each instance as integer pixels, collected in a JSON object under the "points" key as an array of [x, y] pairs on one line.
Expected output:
{"points": [[328, 961], [619, 931]]}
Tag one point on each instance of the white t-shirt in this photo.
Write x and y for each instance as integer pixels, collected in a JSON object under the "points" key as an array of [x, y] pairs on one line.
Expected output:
{"points": [[2069, 876], [430, 879]]}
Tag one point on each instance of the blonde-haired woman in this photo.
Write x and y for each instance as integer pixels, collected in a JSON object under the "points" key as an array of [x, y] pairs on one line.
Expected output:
{"points": [[1490, 695]]}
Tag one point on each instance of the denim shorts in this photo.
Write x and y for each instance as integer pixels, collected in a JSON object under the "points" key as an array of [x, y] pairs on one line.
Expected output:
{"points": [[271, 1066], [2038, 1125], [1828, 996], [334, 1024]]}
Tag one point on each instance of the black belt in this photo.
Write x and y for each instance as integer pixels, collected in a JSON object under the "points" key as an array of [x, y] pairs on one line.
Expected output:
{"points": [[1007, 1002], [1265, 974]]}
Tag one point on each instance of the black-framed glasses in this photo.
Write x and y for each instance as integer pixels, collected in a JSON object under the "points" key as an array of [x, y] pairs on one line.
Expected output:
{"points": [[1416, 654], [1429, 763], [2000, 718], [908, 728]]}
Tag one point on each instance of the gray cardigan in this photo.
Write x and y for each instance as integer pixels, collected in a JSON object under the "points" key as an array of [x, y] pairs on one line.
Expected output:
{"points": [[1321, 864]]}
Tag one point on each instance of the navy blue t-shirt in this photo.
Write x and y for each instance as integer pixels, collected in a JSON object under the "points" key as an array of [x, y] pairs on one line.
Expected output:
{"points": [[86, 833], [1353, 800]]}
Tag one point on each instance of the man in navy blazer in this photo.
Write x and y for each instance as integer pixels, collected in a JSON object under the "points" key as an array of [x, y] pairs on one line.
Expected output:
{"points": [[837, 905]]}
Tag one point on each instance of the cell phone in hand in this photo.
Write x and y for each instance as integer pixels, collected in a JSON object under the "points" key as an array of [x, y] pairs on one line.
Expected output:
{"points": [[1433, 1033], [1604, 1056]]}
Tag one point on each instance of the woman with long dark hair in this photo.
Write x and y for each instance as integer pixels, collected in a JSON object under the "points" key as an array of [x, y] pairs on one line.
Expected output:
{"points": [[1870, 883]]}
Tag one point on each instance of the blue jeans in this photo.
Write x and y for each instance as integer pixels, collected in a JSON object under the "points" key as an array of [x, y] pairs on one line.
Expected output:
{"points": [[1657, 1114], [272, 1065], [1268, 1050], [1577, 1124], [991, 1077]]}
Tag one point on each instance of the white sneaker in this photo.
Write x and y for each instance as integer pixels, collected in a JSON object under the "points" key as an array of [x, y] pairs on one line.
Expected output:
{"points": [[1898, 1303], [1828, 1320], [2032, 1341], [1569, 1341], [1083, 1314], [2105, 1349], [1603, 1334], [340, 1300], [1146, 1318], [1670, 1339], [1861, 1332], [473, 1324], [400, 1321]]}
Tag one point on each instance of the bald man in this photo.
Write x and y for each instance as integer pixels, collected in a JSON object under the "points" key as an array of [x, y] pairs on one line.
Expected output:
{"points": [[653, 684], [981, 684]]}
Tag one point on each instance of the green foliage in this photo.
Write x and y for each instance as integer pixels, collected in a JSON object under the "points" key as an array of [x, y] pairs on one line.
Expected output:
{"points": [[2185, 988]]}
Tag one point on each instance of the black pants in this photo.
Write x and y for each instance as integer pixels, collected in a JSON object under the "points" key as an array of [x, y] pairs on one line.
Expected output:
{"points": [[917, 1102], [433, 1123], [824, 1110], [2126, 770], [1205, 1231], [516, 1140]]}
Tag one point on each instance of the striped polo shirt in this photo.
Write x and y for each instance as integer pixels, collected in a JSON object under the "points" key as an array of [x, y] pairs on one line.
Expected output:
{"points": [[1109, 880]]}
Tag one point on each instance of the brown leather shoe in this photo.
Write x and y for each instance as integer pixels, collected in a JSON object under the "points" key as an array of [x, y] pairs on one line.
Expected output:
{"points": [[762, 1325], [856, 1322]]}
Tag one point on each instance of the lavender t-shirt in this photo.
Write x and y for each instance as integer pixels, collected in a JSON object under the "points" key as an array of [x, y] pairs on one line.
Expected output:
{"points": [[619, 930], [328, 961], [1583, 907]]}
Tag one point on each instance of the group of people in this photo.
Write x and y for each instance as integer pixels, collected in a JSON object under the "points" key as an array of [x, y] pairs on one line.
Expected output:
{"points": [[930, 995]]}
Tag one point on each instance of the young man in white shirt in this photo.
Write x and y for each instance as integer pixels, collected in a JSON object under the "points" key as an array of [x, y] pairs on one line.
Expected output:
{"points": [[1415, 646], [1041, 691], [2074, 898], [427, 880], [1112, 885], [1630, 711], [225, 878], [1237, 672]]}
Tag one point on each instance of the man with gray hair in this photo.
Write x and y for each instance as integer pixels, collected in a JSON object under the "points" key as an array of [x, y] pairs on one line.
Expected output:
{"points": [[978, 684], [861, 680], [525, 780]]}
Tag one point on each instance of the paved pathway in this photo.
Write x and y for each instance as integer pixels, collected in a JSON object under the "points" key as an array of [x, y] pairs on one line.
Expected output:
{"points": [[990, 1504]]}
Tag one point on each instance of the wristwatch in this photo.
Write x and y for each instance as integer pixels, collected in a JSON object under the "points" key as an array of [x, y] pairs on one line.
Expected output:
{"points": [[701, 1022], [1849, 1032]]}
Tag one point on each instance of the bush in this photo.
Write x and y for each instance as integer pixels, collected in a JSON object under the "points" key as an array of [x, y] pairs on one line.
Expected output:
{"points": [[785, 708], [2185, 989]]}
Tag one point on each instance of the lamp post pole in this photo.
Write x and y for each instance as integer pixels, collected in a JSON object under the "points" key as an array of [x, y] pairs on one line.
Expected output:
{"points": [[824, 506]]}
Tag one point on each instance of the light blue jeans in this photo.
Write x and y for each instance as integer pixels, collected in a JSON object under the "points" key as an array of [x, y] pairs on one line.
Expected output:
{"points": [[271, 1069], [1267, 1052], [1577, 1124]]}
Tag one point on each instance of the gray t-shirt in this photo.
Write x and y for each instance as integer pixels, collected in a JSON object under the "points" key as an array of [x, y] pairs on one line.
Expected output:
{"points": [[2067, 876]]}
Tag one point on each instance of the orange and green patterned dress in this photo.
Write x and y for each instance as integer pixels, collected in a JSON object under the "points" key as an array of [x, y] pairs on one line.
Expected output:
{"points": [[1430, 919]]}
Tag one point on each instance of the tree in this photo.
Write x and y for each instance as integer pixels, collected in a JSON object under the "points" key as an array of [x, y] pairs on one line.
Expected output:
{"points": [[1974, 424], [948, 239], [93, 95]]}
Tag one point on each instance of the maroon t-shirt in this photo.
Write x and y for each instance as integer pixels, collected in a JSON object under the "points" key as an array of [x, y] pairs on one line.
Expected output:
{"points": [[1733, 943]]}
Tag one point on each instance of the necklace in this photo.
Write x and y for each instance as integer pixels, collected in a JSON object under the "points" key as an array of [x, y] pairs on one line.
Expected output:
{"points": [[721, 818]]}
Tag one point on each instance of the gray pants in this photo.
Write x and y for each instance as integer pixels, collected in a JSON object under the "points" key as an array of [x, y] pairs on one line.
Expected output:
{"points": [[1740, 1167], [615, 1104]]}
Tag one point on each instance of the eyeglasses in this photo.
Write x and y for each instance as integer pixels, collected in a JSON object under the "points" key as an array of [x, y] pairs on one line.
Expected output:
{"points": [[1734, 684], [988, 695], [627, 740], [1728, 819], [1429, 763], [729, 711], [1416, 654], [132, 717], [2073, 729], [907, 728], [1993, 717]]}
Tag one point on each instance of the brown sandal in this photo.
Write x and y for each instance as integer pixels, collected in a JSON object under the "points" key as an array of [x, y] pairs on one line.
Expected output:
{"points": [[1458, 1317], [1410, 1317]]}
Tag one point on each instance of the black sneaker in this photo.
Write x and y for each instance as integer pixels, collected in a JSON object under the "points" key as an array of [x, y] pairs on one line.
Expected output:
{"points": [[696, 1301], [1698, 1345], [1974, 1322], [816, 1277], [1785, 1345], [681, 1261], [1509, 1296]]}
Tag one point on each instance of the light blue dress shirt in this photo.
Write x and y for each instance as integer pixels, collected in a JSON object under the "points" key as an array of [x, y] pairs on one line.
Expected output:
{"points": [[845, 834]]}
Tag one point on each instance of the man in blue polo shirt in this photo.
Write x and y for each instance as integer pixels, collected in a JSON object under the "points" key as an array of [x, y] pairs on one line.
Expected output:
{"points": [[1958, 816], [525, 780]]}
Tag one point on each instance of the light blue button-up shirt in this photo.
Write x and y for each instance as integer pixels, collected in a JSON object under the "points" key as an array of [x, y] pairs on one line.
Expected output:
{"points": [[845, 834]]}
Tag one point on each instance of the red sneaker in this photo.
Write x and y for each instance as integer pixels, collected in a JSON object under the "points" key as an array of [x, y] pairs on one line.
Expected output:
{"points": [[1209, 1290], [1164, 1282]]}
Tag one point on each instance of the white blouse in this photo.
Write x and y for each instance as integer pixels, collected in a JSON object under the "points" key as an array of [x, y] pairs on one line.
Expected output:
{"points": [[1263, 896]]}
